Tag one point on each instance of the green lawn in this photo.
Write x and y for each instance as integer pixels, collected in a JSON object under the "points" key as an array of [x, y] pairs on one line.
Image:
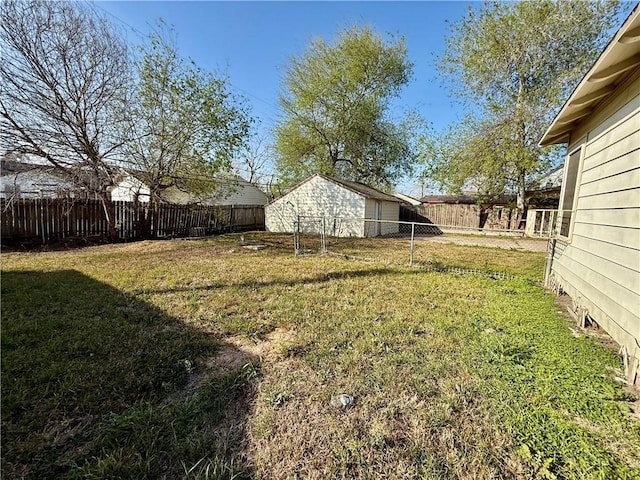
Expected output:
{"points": [[207, 360]]}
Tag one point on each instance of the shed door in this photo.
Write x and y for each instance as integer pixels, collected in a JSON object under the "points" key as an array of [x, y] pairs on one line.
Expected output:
{"points": [[378, 228]]}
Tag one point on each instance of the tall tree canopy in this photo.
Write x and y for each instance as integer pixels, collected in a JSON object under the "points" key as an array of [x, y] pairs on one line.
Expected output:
{"points": [[516, 63], [335, 110], [185, 123], [65, 78]]}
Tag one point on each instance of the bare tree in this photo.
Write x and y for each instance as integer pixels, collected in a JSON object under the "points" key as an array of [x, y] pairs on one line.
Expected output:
{"points": [[64, 78], [256, 160]]}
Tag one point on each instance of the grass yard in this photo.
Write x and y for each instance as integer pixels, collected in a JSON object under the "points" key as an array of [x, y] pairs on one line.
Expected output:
{"points": [[207, 360]]}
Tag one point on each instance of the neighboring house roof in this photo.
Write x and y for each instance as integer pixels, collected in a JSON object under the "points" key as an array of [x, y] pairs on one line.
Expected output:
{"points": [[551, 181], [465, 199], [408, 199], [619, 60], [9, 167], [359, 188], [233, 190], [31, 180]]}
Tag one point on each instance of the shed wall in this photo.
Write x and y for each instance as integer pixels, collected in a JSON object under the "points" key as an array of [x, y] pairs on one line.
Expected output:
{"points": [[318, 198], [390, 212]]}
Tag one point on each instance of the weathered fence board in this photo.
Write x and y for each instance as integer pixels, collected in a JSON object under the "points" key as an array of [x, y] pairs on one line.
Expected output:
{"points": [[463, 216], [46, 220]]}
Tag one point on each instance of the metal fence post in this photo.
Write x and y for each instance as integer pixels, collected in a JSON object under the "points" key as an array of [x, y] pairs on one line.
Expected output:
{"points": [[413, 231], [551, 249], [296, 236], [323, 238]]}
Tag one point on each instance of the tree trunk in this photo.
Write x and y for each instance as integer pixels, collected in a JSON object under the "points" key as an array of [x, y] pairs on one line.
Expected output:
{"points": [[110, 215], [144, 229], [521, 200], [153, 215], [522, 147]]}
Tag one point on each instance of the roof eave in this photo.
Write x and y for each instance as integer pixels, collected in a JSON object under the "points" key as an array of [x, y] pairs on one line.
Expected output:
{"points": [[600, 81]]}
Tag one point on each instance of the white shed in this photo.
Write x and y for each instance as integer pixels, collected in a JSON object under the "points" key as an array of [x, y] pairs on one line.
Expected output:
{"points": [[596, 256], [341, 206]]}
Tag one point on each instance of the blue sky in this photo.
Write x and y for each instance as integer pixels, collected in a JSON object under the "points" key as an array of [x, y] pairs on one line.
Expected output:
{"points": [[252, 41]]}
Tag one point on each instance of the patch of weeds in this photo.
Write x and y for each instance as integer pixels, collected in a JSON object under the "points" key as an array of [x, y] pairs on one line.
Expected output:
{"points": [[180, 429], [277, 400], [213, 469]]}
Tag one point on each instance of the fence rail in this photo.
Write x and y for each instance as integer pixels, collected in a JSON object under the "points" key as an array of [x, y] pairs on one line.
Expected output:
{"points": [[46, 220]]}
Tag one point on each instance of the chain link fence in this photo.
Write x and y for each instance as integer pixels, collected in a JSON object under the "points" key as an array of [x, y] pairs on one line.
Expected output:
{"points": [[422, 245]]}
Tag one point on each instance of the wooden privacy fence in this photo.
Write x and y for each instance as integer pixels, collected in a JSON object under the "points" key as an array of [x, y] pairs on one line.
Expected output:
{"points": [[47, 220], [463, 216]]}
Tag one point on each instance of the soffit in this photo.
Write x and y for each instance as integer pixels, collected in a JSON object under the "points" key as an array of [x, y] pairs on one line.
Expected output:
{"points": [[619, 60]]}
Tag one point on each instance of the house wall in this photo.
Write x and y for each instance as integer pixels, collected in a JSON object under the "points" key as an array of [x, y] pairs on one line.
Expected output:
{"points": [[128, 189], [598, 265], [237, 193], [242, 193], [178, 197], [33, 184], [318, 197]]}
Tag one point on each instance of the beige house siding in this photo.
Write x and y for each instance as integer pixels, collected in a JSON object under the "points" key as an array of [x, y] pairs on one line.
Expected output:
{"points": [[598, 265], [229, 193], [242, 193]]}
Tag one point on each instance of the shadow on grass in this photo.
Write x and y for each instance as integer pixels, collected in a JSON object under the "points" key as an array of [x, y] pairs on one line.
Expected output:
{"points": [[96, 383], [286, 282]]}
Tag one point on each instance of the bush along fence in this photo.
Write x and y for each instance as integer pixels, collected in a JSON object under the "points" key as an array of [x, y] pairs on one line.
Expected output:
{"points": [[48, 220]]}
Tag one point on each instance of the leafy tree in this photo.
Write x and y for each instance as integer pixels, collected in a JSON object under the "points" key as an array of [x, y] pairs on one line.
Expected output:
{"points": [[186, 125], [335, 108], [64, 77], [515, 62]]}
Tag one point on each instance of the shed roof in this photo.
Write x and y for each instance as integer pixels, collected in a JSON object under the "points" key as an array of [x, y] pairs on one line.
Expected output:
{"points": [[550, 181], [619, 60], [408, 199], [359, 188]]}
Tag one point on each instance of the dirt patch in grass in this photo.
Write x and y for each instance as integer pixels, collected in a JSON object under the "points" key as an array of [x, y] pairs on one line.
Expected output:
{"points": [[239, 351]]}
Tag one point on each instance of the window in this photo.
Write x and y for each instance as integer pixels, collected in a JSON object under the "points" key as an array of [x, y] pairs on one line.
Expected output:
{"points": [[569, 184]]}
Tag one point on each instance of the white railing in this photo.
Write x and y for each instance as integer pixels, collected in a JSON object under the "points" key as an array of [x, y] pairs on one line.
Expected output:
{"points": [[541, 223]]}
